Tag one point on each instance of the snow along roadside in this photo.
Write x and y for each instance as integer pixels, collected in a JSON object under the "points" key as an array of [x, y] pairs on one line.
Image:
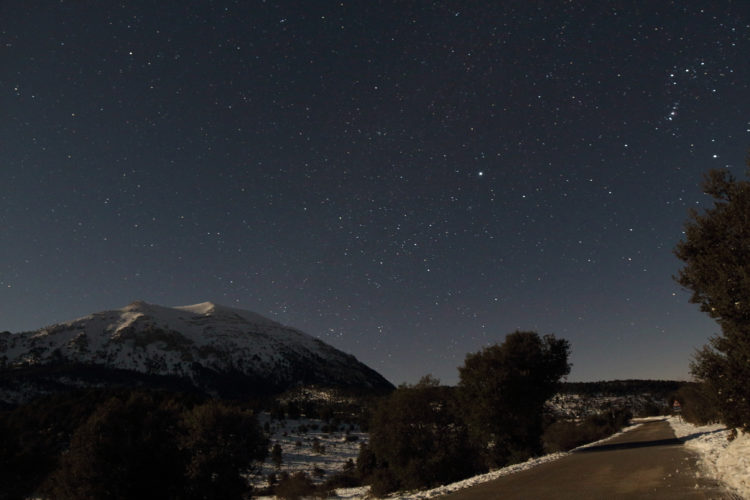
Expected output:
{"points": [[721, 459], [511, 469]]}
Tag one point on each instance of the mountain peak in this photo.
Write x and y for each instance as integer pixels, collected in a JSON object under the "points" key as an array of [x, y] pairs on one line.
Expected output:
{"points": [[204, 308], [136, 305], [213, 310], [217, 348]]}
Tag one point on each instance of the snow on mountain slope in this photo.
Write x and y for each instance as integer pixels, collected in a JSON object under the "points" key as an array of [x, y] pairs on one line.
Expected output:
{"points": [[200, 342]]}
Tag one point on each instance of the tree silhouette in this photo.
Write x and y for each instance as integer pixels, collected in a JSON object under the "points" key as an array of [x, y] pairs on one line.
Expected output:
{"points": [[503, 389], [716, 253], [416, 440]]}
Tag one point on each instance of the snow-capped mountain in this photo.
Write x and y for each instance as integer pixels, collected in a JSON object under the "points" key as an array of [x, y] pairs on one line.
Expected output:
{"points": [[216, 348]]}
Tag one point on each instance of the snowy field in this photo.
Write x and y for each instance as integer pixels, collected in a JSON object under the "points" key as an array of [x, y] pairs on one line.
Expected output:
{"points": [[727, 461], [308, 445]]}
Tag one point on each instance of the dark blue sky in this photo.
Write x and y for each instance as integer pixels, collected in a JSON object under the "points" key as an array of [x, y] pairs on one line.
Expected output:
{"points": [[409, 181]]}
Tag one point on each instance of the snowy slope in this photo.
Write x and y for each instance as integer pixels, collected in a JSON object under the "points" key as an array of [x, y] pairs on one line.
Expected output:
{"points": [[205, 343]]}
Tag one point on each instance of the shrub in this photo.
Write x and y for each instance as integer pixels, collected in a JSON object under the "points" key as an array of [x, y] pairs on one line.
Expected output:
{"points": [[317, 447], [36, 434], [562, 436], [126, 449], [503, 389], [151, 445], [223, 443], [651, 409], [276, 455], [295, 487], [383, 482], [347, 478], [416, 440], [566, 435], [698, 404]]}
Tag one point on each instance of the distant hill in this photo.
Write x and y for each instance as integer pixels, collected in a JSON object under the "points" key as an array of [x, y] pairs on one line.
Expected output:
{"points": [[206, 347], [623, 387], [642, 398]]}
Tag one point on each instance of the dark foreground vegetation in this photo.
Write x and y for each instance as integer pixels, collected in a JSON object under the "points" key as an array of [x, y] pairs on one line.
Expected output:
{"points": [[129, 443], [426, 435], [123, 444], [658, 388]]}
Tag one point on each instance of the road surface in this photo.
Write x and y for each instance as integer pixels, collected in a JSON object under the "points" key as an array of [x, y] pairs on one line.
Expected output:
{"points": [[646, 462]]}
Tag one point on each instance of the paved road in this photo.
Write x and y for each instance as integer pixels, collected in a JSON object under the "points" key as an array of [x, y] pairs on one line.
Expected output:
{"points": [[647, 462]]}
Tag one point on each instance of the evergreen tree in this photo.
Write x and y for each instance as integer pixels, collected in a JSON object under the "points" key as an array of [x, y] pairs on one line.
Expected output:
{"points": [[503, 389], [416, 440], [716, 253], [151, 445], [126, 449], [223, 443]]}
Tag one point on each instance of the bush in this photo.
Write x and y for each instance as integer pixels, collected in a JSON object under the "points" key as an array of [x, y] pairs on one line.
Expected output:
{"points": [[126, 449], [223, 442], [563, 436], [151, 445], [276, 455], [566, 435], [416, 440], [295, 487], [698, 404], [347, 478], [317, 447], [651, 409], [503, 389], [36, 434]]}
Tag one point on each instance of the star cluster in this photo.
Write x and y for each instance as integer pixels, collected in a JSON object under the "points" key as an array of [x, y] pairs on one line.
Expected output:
{"points": [[407, 181]]}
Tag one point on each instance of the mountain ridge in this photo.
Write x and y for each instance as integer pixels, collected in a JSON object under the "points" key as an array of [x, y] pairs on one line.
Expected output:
{"points": [[208, 344]]}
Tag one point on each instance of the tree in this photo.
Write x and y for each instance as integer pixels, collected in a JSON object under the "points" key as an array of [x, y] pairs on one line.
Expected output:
{"points": [[416, 440], [223, 442], [503, 389], [153, 445], [699, 405], [126, 449], [716, 254]]}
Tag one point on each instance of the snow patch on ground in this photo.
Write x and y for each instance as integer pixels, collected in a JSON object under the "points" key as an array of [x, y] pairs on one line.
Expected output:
{"points": [[308, 445], [727, 461]]}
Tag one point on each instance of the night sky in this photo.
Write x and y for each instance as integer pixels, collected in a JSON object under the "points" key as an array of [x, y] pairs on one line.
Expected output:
{"points": [[408, 181]]}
